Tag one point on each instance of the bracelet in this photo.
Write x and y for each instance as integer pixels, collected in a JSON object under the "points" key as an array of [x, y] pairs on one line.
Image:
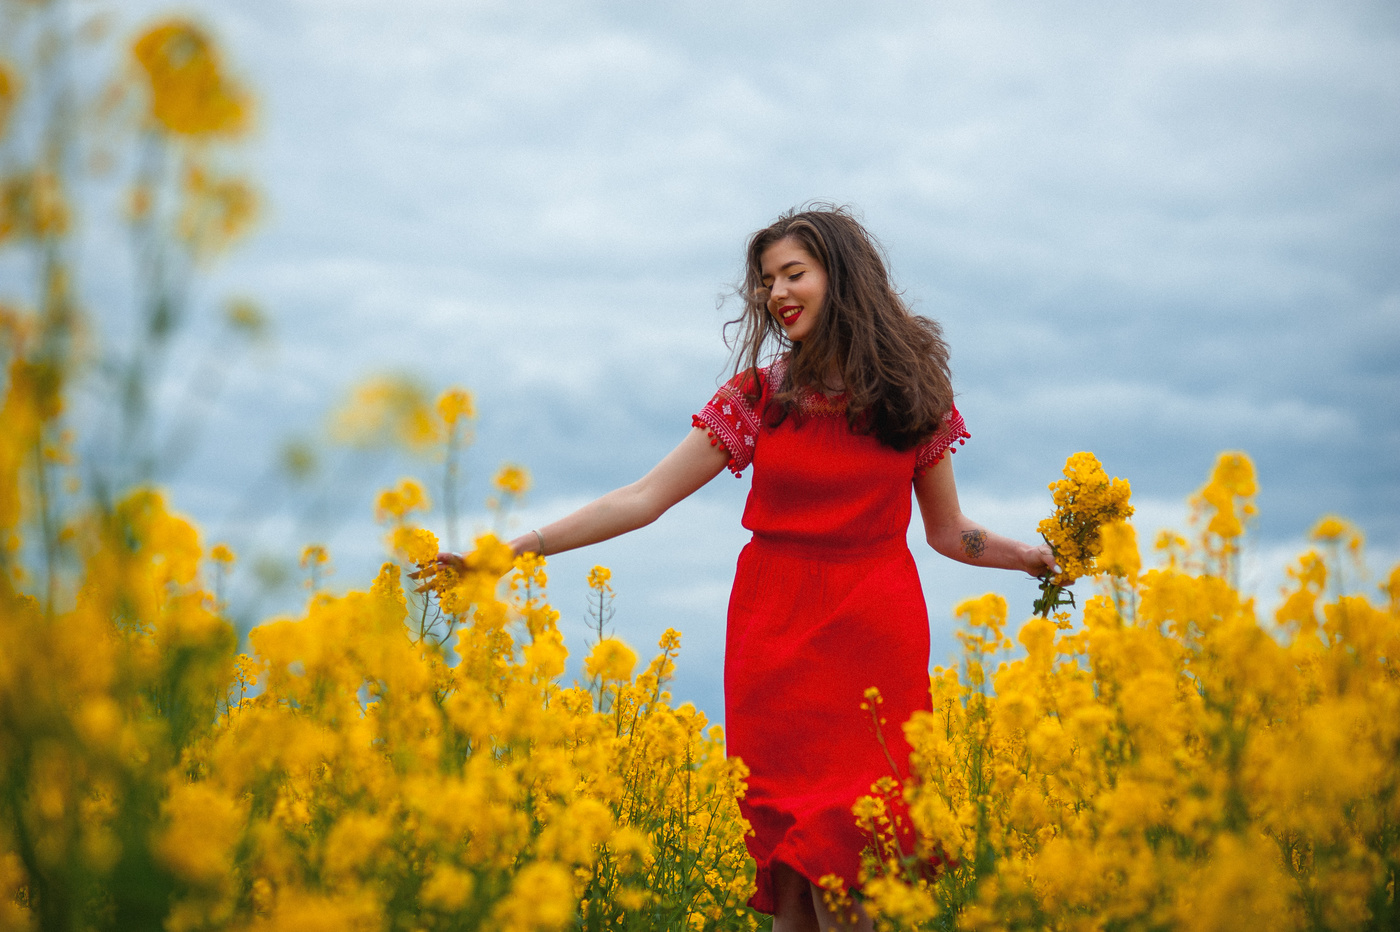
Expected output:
{"points": [[539, 537]]}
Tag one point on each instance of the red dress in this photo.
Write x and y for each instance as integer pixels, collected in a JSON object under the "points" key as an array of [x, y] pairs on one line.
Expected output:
{"points": [[826, 603]]}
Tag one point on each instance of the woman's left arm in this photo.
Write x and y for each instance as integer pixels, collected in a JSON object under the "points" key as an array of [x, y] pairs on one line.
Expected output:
{"points": [[958, 537]]}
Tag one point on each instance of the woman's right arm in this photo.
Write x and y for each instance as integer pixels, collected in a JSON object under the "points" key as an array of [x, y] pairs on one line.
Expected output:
{"points": [[694, 462]]}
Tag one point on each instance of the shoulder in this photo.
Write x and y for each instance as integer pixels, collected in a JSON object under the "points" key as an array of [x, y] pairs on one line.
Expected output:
{"points": [[732, 416], [952, 430]]}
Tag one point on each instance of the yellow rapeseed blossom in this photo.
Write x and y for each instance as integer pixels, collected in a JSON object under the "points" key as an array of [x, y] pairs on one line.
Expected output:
{"points": [[1119, 556], [189, 94], [611, 660], [317, 562], [215, 212], [456, 405], [387, 411], [448, 888], [1085, 499], [9, 96], [314, 555], [139, 201], [245, 317], [512, 479], [1335, 531], [540, 900], [1229, 492], [34, 205], [417, 545], [398, 503], [204, 826]]}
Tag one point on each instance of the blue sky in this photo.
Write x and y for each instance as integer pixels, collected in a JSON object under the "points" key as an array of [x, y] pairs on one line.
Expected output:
{"points": [[1153, 231]]}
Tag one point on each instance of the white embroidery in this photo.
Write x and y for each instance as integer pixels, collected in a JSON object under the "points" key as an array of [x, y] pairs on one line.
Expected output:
{"points": [[932, 450], [731, 421]]}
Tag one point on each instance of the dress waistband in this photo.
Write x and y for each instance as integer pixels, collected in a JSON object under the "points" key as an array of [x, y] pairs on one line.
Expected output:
{"points": [[832, 552]]}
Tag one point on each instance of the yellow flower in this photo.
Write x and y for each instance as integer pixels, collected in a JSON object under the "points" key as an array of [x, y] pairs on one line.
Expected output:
{"points": [[447, 888], [540, 900], [245, 317], [203, 827], [1333, 529], [418, 545], [34, 205], [189, 96], [1391, 587], [1084, 500], [9, 94], [387, 411], [512, 480], [455, 405], [100, 720], [353, 844], [1229, 493], [216, 212], [1120, 555], [611, 660], [598, 578], [397, 503], [987, 611]]}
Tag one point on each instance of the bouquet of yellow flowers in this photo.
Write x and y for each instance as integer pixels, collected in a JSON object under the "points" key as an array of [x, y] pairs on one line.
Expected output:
{"points": [[1085, 500]]}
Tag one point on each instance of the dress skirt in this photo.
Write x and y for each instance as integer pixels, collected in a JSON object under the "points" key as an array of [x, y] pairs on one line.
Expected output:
{"points": [[808, 633]]}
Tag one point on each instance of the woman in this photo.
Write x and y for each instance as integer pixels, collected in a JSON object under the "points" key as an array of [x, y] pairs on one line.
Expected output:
{"points": [[856, 407]]}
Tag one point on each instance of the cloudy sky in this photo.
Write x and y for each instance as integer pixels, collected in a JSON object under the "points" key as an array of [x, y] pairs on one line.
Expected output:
{"points": [[1153, 231]]}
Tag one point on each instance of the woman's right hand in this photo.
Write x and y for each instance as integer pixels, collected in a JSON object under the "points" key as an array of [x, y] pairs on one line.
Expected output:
{"points": [[428, 573], [454, 560]]}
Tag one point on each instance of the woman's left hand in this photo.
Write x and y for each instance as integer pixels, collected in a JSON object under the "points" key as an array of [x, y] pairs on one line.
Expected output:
{"points": [[1040, 560]]}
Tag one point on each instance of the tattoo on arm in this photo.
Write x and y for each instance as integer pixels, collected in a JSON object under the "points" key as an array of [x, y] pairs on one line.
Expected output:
{"points": [[974, 543]]}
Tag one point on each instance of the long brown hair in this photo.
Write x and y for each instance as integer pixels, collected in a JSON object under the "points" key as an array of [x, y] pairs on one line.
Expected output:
{"points": [[893, 364]]}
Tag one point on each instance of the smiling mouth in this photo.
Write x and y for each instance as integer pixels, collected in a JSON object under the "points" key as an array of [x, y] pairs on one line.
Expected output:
{"points": [[789, 315]]}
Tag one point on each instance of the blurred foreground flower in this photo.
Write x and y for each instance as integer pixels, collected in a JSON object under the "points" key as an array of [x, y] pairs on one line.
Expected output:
{"points": [[387, 411], [189, 93], [512, 480]]}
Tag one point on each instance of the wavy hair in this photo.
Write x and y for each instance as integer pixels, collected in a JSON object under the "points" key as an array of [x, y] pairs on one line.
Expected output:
{"points": [[892, 363]]}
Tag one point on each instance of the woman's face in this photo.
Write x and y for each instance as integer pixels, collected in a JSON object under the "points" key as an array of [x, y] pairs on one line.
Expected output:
{"points": [[796, 285]]}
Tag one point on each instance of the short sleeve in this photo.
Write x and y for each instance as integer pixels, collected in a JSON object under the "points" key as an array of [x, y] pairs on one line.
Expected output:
{"points": [[731, 417], [953, 430]]}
